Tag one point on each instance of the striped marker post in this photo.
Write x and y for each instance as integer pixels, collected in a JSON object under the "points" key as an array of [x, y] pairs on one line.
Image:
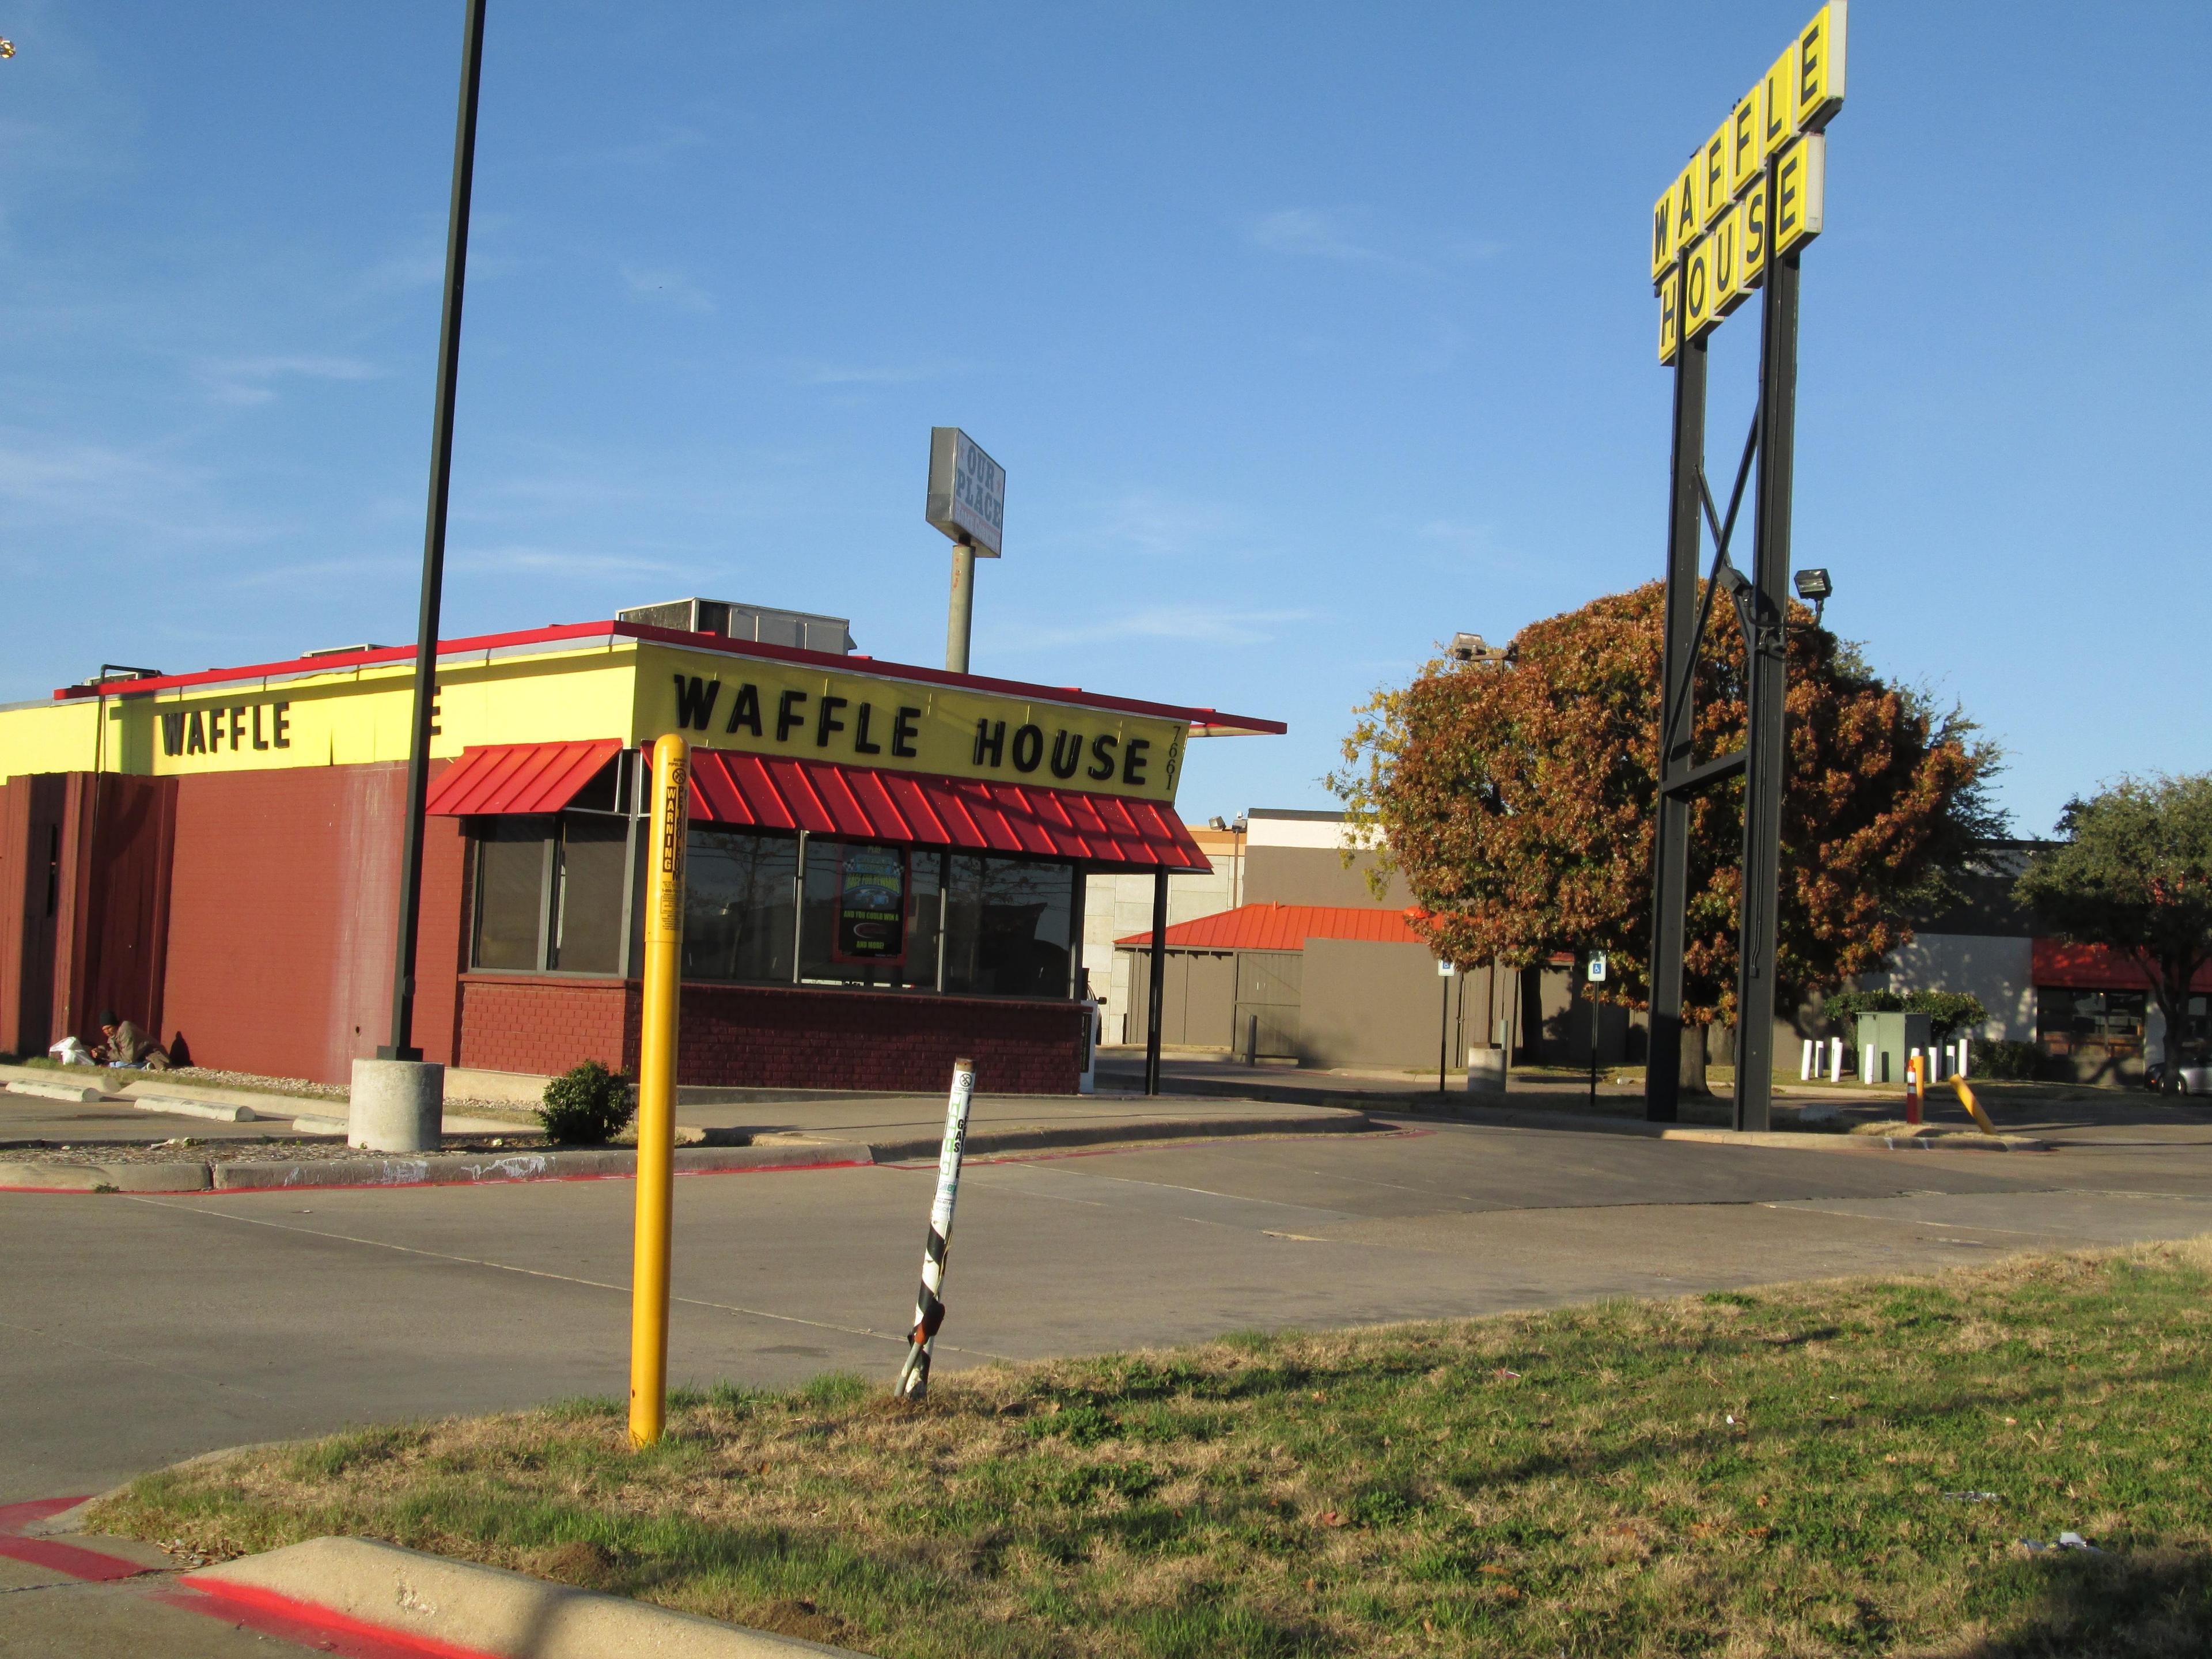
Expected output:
{"points": [[929, 1303]]}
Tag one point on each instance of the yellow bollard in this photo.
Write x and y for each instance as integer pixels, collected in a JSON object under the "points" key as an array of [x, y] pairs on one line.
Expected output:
{"points": [[656, 1092], [1973, 1107]]}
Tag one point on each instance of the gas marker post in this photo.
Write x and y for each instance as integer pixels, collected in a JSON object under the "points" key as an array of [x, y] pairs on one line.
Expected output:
{"points": [[1736, 218], [967, 501], [656, 1092], [929, 1302]]}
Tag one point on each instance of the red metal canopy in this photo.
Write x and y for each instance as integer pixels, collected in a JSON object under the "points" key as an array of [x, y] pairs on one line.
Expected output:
{"points": [[1284, 927], [518, 777], [772, 793]]}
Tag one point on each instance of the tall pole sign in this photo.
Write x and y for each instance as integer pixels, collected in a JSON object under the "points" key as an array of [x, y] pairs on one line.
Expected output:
{"points": [[968, 501], [1736, 218], [402, 1046]]}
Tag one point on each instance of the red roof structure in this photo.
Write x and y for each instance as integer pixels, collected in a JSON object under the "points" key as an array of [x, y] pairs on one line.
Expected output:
{"points": [[1284, 927], [518, 777]]}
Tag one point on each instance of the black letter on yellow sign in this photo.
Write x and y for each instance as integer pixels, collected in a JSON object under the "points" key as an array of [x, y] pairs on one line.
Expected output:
{"points": [[745, 710], [1028, 748], [904, 732], [1101, 756], [695, 701], [1133, 761], [196, 738], [173, 733], [788, 717], [1067, 752], [860, 743], [828, 722], [991, 740]]}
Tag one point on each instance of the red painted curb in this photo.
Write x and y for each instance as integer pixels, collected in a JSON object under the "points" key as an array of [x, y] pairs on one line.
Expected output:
{"points": [[88, 1564], [267, 1613], [412, 1186]]}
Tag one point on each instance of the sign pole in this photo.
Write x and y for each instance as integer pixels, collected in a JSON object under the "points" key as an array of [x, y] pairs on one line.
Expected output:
{"points": [[1768, 684], [402, 1046], [656, 1092], [1443, 1026], [960, 623], [1155, 985], [1670, 884]]}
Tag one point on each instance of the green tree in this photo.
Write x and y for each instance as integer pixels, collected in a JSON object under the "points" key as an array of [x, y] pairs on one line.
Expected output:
{"points": [[2133, 870], [1518, 799]]}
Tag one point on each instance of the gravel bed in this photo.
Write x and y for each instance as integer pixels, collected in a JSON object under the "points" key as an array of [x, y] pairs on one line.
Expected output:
{"points": [[192, 1149]]}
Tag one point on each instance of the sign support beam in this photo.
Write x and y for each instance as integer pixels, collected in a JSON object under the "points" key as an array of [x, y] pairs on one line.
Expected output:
{"points": [[1671, 855], [1757, 938]]}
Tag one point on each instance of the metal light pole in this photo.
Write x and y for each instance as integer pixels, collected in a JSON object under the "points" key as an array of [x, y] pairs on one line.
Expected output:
{"points": [[403, 1046]]}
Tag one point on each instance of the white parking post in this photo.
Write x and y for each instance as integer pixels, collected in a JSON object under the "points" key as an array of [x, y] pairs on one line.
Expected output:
{"points": [[1805, 1062], [1866, 1063], [1835, 1060], [1962, 1057]]}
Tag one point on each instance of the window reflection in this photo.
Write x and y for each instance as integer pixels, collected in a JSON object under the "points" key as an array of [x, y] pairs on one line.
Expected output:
{"points": [[1009, 926], [737, 905]]}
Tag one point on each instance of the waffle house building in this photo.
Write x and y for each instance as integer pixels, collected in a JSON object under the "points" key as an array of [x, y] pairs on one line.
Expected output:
{"points": [[886, 863]]}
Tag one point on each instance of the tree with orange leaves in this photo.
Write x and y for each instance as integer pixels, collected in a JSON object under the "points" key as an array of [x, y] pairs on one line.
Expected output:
{"points": [[1517, 798]]}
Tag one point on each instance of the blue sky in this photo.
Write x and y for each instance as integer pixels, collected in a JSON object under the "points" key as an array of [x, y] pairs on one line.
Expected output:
{"points": [[1308, 335]]}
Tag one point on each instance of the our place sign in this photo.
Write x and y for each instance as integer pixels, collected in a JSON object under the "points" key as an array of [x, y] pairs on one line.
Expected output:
{"points": [[1755, 191]]}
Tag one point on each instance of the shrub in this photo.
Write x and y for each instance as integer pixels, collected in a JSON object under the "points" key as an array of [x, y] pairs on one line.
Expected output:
{"points": [[587, 1105], [2006, 1059]]}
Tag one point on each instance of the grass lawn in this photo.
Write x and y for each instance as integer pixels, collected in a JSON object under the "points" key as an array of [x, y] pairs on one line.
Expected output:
{"points": [[1839, 1468]]}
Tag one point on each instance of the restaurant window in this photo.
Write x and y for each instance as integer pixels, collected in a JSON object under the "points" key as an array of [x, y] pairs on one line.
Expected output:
{"points": [[870, 915], [1009, 926], [2069, 1019], [548, 893], [737, 905]]}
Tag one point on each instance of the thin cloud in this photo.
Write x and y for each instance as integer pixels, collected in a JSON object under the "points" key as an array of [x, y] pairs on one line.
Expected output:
{"points": [[551, 562], [249, 380], [671, 285], [664, 145], [1154, 523], [1179, 624], [1349, 238]]}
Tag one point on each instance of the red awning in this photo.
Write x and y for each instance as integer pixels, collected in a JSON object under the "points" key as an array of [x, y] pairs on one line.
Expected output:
{"points": [[518, 777], [1284, 927], [771, 793]]}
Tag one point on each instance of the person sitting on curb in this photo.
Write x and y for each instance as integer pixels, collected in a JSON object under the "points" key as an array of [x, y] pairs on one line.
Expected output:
{"points": [[123, 1044]]}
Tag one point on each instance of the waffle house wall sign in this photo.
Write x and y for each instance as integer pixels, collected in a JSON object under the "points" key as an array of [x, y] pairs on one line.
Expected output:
{"points": [[1754, 189], [615, 680]]}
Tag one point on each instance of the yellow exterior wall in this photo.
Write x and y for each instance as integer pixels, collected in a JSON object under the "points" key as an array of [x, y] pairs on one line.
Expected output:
{"points": [[622, 689]]}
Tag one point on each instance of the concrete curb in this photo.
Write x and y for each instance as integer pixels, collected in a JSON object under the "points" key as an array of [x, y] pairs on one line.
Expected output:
{"points": [[1788, 1140], [458, 1608], [776, 1152], [312, 1124], [170, 1106], [104, 1177], [1044, 1136], [74, 1091]]}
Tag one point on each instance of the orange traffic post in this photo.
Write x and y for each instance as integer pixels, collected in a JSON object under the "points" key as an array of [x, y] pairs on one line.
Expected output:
{"points": [[1912, 1090], [1973, 1106], [656, 1093]]}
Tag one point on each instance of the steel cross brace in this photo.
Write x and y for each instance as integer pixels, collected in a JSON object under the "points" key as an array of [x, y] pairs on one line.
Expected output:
{"points": [[1741, 590]]}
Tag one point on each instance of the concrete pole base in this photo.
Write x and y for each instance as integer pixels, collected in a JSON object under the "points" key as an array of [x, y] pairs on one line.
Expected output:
{"points": [[1486, 1070], [397, 1105]]}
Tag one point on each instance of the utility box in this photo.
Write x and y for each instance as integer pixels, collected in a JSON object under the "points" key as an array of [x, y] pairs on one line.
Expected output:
{"points": [[1892, 1038]]}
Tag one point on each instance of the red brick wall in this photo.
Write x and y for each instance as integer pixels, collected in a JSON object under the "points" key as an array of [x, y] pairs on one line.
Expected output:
{"points": [[804, 1037], [541, 1025], [774, 1036], [283, 902]]}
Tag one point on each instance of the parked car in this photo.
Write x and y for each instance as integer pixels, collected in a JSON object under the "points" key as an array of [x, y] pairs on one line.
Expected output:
{"points": [[2195, 1076]]}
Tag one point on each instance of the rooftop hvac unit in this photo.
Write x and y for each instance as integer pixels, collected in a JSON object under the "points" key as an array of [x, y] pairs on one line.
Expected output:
{"points": [[802, 629]]}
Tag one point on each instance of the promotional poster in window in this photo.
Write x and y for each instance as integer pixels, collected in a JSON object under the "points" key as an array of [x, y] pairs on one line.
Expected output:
{"points": [[872, 905]]}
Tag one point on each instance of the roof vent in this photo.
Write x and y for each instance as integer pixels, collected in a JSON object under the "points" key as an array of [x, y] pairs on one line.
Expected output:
{"points": [[801, 628]]}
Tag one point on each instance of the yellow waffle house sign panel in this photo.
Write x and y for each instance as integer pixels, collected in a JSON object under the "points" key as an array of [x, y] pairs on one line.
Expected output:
{"points": [[611, 686]]}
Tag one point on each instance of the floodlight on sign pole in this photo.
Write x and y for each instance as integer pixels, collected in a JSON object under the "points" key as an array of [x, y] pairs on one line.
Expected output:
{"points": [[1814, 587]]}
